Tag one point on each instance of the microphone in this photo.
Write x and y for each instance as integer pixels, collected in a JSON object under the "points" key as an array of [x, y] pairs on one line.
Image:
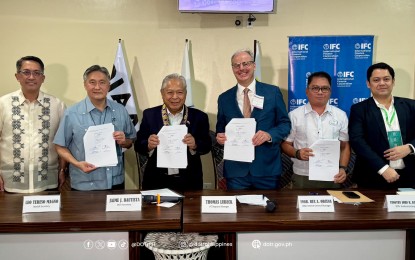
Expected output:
{"points": [[159, 199], [271, 206]]}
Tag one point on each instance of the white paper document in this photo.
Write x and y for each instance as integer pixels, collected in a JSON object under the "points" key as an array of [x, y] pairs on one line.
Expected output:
{"points": [[259, 200], [162, 192], [238, 145], [172, 152], [325, 162], [99, 146]]}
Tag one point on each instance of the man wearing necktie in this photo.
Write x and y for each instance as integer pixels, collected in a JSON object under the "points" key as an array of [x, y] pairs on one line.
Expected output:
{"points": [[272, 125], [382, 134]]}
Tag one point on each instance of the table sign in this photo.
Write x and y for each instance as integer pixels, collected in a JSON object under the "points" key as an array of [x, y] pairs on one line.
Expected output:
{"points": [[218, 204], [41, 203], [400, 203], [315, 203], [123, 202]]}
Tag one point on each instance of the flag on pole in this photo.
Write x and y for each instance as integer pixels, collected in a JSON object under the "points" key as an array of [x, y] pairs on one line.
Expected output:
{"points": [[257, 55], [186, 74], [120, 90]]}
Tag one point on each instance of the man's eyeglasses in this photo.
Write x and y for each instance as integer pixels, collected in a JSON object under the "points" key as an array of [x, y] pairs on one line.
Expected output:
{"points": [[316, 89], [35, 73], [244, 64]]}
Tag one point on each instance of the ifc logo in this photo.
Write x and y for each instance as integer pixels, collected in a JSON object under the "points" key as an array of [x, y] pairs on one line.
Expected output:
{"points": [[331, 46], [299, 47], [357, 100], [298, 102], [345, 74], [363, 46]]}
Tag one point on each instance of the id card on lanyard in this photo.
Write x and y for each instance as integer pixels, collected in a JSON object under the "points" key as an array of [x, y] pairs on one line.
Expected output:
{"points": [[394, 138]]}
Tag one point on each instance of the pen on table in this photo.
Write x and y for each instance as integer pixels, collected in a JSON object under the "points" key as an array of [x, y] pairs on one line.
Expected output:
{"points": [[158, 198]]}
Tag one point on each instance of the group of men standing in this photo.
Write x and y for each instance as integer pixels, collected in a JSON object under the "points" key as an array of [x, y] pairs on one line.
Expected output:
{"points": [[40, 141]]}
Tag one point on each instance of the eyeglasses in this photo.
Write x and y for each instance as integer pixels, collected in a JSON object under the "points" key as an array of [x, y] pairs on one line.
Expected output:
{"points": [[244, 64], [35, 73], [316, 89], [100, 83]]}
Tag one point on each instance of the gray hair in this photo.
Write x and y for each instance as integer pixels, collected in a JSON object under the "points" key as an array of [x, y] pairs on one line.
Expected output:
{"points": [[247, 51], [94, 68], [174, 76]]}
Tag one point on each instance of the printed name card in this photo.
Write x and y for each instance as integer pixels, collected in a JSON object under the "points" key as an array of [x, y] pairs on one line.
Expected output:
{"points": [[41, 203], [315, 203], [218, 204], [123, 202], [400, 203]]}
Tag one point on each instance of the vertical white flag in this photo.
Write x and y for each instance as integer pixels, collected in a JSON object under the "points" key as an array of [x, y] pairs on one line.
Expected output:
{"points": [[186, 75], [120, 90], [258, 74]]}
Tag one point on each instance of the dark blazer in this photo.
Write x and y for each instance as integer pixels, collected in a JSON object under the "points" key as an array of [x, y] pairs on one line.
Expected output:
{"points": [[198, 126], [368, 139], [273, 119]]}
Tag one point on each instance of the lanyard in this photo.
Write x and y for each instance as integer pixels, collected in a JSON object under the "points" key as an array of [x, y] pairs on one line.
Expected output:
{"points": [[385, 112]]}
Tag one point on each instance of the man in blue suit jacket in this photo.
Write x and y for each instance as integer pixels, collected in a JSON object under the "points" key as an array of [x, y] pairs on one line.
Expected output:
{"points": [[382, 134], [272, 126], [174, 112]]}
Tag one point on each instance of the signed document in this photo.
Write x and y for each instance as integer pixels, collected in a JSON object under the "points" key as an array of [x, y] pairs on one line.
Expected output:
{"points": [[172, 152], [325, 162], [238, 145], [99, 146]]}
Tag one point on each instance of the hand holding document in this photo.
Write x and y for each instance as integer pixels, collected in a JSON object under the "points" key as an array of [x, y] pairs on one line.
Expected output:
{"points": [[99, 146], [172, 152], [238, 145], [325, 162]]}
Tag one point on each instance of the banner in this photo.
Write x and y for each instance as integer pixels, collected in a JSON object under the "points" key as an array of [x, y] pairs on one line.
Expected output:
{"points": [[186, 75], [120, 90], [345, 58], [257, 56]]}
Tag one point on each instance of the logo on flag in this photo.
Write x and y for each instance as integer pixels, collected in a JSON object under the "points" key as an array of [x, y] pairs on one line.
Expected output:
{"points": [[120, 90]]}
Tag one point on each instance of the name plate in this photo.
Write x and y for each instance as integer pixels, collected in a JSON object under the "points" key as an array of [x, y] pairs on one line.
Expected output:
{"points": [[123, 202], [41, 203], [315, 203], [218, 204], [400, 203]]}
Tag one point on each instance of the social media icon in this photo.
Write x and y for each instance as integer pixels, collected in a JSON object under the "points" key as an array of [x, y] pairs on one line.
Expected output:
{"points": [[100, 244], [123, 244], [88, 244], [111, 244]]}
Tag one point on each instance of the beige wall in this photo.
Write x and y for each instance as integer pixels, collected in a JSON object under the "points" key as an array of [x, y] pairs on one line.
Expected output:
{"points": [[72, 35]]}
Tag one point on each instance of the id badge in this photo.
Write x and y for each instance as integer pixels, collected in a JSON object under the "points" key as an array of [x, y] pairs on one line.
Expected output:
{"points": [[394, 138]]}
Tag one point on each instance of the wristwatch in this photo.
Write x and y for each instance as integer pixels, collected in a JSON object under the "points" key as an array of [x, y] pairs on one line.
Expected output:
{"points": [[343, 167]]}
